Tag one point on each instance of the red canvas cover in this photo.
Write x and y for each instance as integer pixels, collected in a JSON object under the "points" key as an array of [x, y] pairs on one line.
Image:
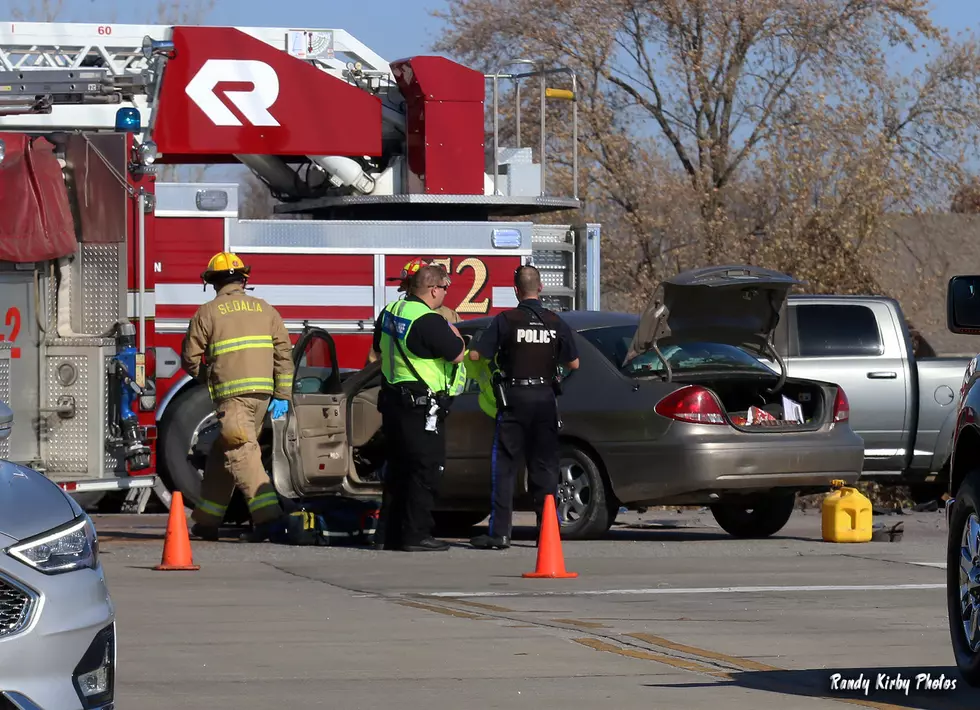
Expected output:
{"points": [[35, 218]]}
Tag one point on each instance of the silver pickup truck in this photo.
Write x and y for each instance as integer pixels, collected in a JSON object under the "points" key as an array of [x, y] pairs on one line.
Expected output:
{"points": [[902, 406]]}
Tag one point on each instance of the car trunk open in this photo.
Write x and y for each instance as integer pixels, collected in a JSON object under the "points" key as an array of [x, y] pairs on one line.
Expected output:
{"points": [[736, 305], [749, 400]]}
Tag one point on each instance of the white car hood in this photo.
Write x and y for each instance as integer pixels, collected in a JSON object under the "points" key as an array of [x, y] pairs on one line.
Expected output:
{"points": [[31, 503]]}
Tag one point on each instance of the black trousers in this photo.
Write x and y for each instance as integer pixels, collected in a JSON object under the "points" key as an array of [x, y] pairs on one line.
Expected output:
{"points": [[415, 462], [525, 434]]}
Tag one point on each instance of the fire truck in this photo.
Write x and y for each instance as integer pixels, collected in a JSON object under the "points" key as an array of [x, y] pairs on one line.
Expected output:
{"points": [[371, 164]]}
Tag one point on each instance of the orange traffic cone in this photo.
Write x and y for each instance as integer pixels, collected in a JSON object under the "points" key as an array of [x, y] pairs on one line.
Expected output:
{"points": [[177, 544], [551, 562]]}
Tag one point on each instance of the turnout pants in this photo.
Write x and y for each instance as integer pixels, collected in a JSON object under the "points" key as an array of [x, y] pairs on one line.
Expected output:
{"points": [[236, 460], [526, 434], [415, 463]]}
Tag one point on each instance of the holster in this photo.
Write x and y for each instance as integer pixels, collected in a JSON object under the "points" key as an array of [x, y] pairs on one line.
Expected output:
{"points": [[556, 385], [500, 393]]}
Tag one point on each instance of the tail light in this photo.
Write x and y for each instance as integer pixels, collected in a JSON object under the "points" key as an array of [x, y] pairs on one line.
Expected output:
{"points": [[842, 410], [691, 404]]}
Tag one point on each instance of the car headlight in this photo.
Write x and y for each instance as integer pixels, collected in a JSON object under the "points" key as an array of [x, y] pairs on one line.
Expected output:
{"points": [[65, 549]]}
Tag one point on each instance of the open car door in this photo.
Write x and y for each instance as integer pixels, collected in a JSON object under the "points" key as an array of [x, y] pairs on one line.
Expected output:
{"points": [[310, 448]]}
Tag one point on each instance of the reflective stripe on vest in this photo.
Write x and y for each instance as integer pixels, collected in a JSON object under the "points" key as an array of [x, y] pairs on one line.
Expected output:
{"points": [[248, 342], [436, 373], [245, 384]]}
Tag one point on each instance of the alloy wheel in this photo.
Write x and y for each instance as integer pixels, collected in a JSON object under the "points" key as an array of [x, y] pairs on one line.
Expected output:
{"points": [[204, 435], [970, 582], [574, 491]]}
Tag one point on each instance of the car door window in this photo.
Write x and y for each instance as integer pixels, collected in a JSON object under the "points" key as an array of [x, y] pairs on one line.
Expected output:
{"points": [[613, 342], [835, 330], [315, 359]]}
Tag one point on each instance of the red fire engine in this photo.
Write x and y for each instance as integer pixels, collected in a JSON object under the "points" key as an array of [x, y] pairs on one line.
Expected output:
{"points": [[371, 164]]}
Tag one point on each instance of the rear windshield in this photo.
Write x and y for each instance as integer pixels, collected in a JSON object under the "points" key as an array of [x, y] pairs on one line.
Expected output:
{"points": [[613, 343]]}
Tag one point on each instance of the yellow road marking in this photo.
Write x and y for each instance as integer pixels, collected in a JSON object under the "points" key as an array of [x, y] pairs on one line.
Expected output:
{"points": [[742, 663], [681, 663], [584, 624], [442, 610]]}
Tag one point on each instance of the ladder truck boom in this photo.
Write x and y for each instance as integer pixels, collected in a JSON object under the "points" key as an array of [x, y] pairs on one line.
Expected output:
{"points": [[370, 163]]}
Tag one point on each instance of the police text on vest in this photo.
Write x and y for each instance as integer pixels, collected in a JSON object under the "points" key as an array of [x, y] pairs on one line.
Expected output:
{"points": [[535, 335]]}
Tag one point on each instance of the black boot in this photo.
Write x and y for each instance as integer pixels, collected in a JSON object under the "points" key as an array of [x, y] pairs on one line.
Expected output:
{"points": [[205, 532], [429, 544], [491, 542], [265, 531]]}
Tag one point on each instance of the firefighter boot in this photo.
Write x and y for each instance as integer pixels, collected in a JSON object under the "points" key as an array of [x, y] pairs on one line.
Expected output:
{"points": [[271, 530], [205, 532]]}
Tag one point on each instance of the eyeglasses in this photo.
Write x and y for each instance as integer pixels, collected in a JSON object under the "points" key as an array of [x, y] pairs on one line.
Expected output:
{"points": [[444, 287]]}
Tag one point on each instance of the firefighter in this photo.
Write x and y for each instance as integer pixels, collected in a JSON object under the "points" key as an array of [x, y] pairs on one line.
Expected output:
{"points": [[420, 362], [249, 372], [525, 346]]}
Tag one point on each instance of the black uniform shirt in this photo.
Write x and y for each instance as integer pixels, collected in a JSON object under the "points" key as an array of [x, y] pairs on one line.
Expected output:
{"points": [[498, 334], [430, 336]]}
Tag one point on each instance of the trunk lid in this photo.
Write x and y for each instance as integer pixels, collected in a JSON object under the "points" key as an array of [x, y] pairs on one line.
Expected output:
{"points": [[737, 305]]}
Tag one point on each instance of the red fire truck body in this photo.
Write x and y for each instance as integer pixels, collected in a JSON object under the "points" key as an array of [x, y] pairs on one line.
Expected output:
{"points": [[100, 263]]}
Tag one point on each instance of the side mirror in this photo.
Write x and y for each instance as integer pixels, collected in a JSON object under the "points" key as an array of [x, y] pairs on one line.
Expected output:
{"points": [[963, 305], [6, 421]]}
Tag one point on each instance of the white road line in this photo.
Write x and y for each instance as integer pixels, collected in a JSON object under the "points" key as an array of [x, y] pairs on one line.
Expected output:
{"points": [[692, 590], [940, 565]]}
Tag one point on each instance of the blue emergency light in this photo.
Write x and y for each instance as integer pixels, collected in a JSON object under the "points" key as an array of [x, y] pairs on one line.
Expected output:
{"points": [[128, 120]]}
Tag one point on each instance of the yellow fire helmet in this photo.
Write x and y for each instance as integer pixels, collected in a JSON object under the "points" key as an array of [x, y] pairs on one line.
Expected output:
{"points": [[224, 263]]}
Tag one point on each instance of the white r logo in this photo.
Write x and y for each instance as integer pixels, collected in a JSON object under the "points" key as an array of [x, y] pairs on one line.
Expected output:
{"points": [[253, 104]]}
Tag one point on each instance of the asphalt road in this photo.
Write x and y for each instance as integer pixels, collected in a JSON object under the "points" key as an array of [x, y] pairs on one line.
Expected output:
{"points": [[668, 612]]}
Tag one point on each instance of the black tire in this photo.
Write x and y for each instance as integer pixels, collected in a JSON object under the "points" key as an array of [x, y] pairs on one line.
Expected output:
{"points": [[457, 523], [182, 470], [966, 507], [586, 505], [764, 515]]}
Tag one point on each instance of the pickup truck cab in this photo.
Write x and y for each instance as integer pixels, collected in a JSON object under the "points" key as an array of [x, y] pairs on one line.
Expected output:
{"points": [[902, 406], [963, 507]]}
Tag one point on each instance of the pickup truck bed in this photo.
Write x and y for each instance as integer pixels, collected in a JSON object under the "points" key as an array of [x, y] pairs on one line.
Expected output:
{"points": [[903, 408]]}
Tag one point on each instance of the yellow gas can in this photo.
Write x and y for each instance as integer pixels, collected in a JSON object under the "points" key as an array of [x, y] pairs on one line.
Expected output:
{"points": [[846, 515]]}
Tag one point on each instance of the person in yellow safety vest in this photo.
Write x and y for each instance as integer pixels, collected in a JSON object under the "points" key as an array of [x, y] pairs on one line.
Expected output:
{"points": [[480, 372], [249, 362], [421, 363], [403, 280]]}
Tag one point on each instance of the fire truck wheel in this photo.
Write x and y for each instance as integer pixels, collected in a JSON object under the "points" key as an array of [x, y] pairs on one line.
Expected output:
{"points": [[186, 434]]}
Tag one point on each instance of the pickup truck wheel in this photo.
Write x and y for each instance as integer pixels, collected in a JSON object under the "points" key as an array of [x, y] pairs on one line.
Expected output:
{"points": [[187, 433], [963, 578], [584, 500], [766, 515]]}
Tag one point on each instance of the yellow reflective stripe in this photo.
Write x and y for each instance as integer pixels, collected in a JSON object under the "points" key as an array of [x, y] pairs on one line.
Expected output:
{"points": [[246, 384], [212, 508], [244, 343], [263, 500], [284, 381]]}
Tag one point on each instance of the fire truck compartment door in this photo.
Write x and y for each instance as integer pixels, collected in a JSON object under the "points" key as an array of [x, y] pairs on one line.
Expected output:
{"points": [[19, 376], [316, 438]]}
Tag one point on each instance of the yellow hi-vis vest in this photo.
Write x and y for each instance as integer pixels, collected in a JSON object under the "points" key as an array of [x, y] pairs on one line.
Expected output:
{"points": [[440, 376], [479, 370]]}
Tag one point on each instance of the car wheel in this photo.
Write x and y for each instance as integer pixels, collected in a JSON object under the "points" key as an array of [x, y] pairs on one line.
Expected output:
{"points": [[457, 523], [767, 514], [187, 434], [963, 579], [584, 501]]}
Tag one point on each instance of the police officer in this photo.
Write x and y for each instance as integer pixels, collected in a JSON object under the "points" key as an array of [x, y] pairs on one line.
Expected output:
{"points": [[420, 361], [249, 363], [526, 345]]}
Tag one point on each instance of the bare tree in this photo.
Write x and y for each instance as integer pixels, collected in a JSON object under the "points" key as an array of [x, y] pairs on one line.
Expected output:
{"points": [[770, 131]]}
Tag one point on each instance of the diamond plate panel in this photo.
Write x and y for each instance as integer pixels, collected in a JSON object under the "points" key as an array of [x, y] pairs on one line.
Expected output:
{"points": [[5, 391], [68, 438], [551, 233], [100, 282]]}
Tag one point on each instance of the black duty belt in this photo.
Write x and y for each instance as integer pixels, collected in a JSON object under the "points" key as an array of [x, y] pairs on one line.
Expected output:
{"points": [[529, 382]]}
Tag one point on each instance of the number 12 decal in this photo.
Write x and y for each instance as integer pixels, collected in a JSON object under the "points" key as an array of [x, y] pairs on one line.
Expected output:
{"points": [[12, 321], [468, 305]]}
